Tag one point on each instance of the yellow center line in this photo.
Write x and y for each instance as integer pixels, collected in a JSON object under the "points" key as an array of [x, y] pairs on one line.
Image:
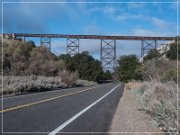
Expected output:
{"points": [[42, 101]]}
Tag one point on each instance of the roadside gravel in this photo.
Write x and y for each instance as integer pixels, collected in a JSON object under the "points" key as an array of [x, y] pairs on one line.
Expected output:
{"points": [[128, 118]]}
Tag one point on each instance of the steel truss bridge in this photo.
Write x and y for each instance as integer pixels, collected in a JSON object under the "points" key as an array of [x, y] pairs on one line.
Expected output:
{"points": [[108, 44]]}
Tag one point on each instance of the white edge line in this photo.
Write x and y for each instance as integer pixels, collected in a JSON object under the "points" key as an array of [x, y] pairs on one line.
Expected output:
{"points": [[55, 131]]}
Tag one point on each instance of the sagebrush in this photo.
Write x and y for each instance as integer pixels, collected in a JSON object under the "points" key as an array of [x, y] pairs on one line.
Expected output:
{"points": [[20, 84], [159, 100]]}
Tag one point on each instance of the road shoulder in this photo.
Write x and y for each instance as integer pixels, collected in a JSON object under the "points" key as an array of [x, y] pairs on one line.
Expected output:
{"points": [[128, 118]]}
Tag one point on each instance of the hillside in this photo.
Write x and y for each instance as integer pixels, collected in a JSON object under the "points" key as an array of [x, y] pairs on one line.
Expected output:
{"points": [[27, 68], [157, 93]]}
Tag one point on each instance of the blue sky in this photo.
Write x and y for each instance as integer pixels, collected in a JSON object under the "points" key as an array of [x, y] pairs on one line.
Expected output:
{"points": [[144, 19]]}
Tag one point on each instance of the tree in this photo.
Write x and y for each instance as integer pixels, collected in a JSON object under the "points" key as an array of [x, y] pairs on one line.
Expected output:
{"points": [[18, 64], [172, 53], [68, 62], [29, 46], [41, 62], [107, 75], [153, 53], [128, 68], [16, 54], [6, 64], [87, 67]]}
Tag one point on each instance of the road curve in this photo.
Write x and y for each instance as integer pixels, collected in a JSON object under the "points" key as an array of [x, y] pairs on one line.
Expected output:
{"points": [[66, 111]]}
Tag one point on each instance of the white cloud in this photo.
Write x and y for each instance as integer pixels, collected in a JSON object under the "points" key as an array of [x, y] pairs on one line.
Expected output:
{"points": [[128, 47], [28, 17], [109, 10], [90, 45], [152, 32], [128, 16], [158, 22], [93, 46], [94, 9], [58, 46], [119, 15], [139, 31], [135, 5], [92, 29]]}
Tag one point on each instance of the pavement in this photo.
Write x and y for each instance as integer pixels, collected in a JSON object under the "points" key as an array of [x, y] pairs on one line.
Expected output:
{"points": [[76, 110]]}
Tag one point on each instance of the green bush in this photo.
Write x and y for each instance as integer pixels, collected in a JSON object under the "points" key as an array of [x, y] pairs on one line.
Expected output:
{"points": [[87, 67], [172, 53], [153, 53], [107, 75], [129, 68]]}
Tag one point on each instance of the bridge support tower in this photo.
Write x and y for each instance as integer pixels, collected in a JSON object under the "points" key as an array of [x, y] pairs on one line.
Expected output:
{"points": [[108, 54], [147, 45], [72, 46], [46, 41]]}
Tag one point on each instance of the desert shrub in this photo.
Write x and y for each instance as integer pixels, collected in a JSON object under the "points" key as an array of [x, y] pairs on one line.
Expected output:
{"points": [[159, 100], [80, 83], [19, 84], [16, 54], [44, 65], [69, 78], [161, 70], [33, 83]]}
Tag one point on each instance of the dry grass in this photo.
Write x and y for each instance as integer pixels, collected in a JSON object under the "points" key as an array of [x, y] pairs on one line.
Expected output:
{"points": [[20, 84], [80, 82], [161, 70], [159, 100], [69, 78], [133, 85]]}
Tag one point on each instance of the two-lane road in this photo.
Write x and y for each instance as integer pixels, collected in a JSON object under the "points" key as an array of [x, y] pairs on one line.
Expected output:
{"points": [[70, 110]]}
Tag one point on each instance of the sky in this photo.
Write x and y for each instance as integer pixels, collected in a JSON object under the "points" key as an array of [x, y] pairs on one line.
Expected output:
{"points": [[128, 18]]}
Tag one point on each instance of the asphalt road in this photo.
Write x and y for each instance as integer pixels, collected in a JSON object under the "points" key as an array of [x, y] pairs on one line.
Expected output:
{"points": [[66, 111]]}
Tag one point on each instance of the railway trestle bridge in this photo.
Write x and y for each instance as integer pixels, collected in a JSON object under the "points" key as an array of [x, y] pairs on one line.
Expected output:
{"points": [[108, 44]]}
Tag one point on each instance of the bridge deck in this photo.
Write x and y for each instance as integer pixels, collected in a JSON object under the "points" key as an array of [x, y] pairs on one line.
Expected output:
{"points": [[94, 36]]}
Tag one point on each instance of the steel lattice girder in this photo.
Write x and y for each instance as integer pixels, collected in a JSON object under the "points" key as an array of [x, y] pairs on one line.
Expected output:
{"points": [[93, 36], [72, 46], [46, 41], [108, 54], [147, 45]]}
